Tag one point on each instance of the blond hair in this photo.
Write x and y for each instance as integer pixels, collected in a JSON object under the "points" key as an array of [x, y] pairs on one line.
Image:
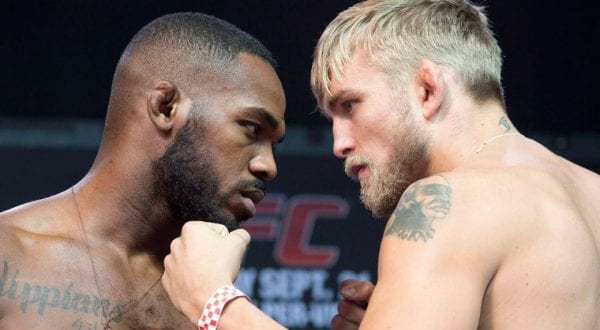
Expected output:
{"points": [[396, 35]]}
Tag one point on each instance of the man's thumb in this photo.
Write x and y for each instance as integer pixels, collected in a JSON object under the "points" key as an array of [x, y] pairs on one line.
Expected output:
{"points": [[240, 236]]}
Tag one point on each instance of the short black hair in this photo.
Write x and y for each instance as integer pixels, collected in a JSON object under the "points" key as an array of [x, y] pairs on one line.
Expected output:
{"points": [[183, 48], [200, 34]]}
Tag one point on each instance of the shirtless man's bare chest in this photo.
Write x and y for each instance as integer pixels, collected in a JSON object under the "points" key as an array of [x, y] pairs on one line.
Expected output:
{"points": [[50, 281]]}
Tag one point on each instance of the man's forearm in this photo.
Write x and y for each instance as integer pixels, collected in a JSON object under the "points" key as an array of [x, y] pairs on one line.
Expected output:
{"points": [[242, 314]]}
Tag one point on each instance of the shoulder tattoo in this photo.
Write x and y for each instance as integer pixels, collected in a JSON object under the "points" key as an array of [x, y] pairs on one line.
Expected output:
{"points": [[421, 205]]}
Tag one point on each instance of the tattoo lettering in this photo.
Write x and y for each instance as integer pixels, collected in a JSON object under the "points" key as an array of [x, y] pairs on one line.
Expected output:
{"points": [[80, 324], [420, 205], [41, 297], [504, 122]]}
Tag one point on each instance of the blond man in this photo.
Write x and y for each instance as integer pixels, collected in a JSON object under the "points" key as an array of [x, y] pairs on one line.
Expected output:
{"points": [[485, 227]]}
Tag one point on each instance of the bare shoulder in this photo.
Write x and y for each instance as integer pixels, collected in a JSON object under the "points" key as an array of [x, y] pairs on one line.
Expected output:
{"points": [[439, 252], [470, 202], [449, 219], [544, 219], [423, 204], [504, 243], [34, 229], [39, 262], [11, 230], [475, 212]]}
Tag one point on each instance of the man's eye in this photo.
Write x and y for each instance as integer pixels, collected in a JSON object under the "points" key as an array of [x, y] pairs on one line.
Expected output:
{"points": [[252, 127], [348, 106]]}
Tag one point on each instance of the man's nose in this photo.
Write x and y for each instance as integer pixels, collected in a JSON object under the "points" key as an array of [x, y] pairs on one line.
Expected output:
{"points": [[343, 143], [263, 165]]}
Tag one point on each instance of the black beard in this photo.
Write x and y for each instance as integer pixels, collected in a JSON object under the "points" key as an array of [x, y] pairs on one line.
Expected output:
{"points": [[186, 179]]}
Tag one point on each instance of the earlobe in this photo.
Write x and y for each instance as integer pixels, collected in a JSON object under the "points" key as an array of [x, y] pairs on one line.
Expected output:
{"points": [[430, 87], [163, 99]]}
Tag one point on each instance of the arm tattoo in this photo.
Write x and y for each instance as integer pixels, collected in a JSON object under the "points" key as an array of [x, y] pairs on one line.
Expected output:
{"points": [[420, 205]]}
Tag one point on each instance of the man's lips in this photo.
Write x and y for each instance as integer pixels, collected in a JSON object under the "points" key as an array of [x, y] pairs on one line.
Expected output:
{"points": [[250, 198], [356, 171], [256, 195]]}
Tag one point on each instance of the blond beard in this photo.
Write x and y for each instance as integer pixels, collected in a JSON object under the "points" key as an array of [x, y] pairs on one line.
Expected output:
{"points": [[381, 192]]}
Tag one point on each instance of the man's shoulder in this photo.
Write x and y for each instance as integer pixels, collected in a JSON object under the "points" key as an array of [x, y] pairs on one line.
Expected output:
{"points": [[483, 207], [21, 218], [31, 226], [473, 188], [14, 223], [519, 191], [468, 203], [488, 207], [14, 237], [501, 184], [438, 231]]}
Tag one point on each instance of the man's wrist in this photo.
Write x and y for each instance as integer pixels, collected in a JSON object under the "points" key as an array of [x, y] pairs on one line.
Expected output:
{"points": [[196, 299], [211, 313]]}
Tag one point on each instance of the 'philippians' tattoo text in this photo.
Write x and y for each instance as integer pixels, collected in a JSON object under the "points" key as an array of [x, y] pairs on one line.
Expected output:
{"points": [[421, 205], [39, 298]]}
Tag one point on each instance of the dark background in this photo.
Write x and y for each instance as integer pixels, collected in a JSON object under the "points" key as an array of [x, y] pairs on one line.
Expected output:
{"points": [[58, 56]]}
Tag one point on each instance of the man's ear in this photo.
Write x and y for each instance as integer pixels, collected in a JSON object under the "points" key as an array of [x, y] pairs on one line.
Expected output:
{"points": [[163, 99], [430, 87]]}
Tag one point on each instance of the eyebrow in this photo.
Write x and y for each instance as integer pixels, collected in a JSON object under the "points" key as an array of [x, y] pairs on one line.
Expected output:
{"points": [[266, 117], [336, 98]]}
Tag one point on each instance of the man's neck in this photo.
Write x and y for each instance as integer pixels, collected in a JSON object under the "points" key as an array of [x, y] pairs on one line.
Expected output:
{"points": [[122, 211], [458, 141]]}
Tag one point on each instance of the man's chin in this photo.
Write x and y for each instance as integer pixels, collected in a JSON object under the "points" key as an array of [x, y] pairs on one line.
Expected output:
{"points": [[222, 217], [231, 222], [234, 220], [379, 213], [381, 208], [230, 225]]}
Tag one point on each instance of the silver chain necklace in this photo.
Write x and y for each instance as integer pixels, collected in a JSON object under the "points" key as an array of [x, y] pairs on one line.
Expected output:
{"points": [[129, 307], [486, 142]]}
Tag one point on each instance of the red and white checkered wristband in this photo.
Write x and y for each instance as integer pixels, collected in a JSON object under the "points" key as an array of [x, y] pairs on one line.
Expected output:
{"points": [[215, 304]]}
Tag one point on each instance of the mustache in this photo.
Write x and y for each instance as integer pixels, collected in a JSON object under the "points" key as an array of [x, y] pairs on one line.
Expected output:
{"points": [[251, 185], [355, 160]]}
